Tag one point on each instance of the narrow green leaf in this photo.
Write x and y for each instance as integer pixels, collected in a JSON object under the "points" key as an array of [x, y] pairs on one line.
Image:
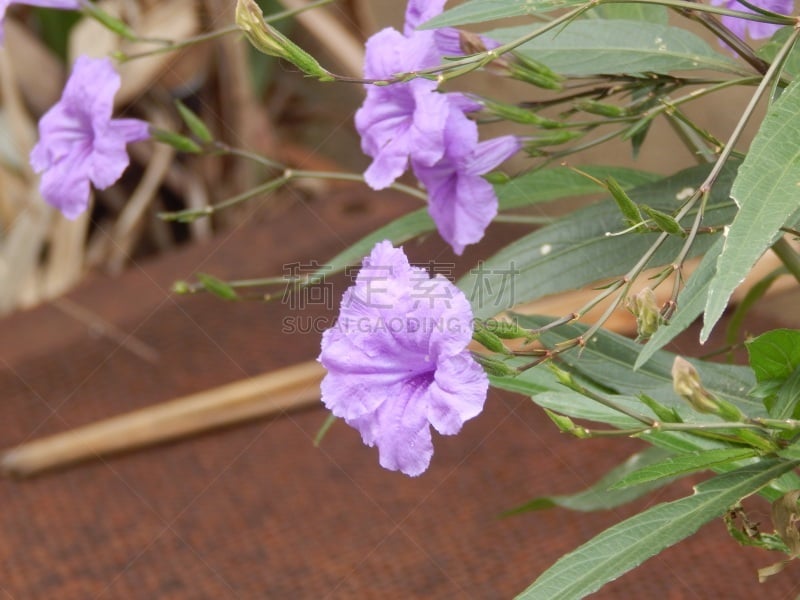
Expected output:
{"points": [[663, 221], [684, 464], [609, 358], [479, 11], [601, 495], [560, 182], [768, 195], [586, 47], [626, 545], [770, 49], [629, 210], [217, 286], [651, 13], [194, 123], [577, 250]]}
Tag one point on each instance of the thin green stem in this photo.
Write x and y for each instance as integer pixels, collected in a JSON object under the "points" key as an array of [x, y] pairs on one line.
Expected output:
{"points": [[171, 45], [789, 257]]}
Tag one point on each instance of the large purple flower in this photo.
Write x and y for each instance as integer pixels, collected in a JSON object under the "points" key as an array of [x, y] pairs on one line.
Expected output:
{"points": [[79, 142], [460, 201], [754, 29], [397, 360], [63, 4]]}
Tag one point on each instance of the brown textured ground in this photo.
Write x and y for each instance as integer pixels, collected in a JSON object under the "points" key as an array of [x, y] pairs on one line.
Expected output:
{"points": [[256, 511]]}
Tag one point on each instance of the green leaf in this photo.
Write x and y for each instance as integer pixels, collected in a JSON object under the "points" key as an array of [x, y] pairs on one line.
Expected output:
{"points": [[609, 358], [685, 464], [651, 13], [735, 327], [217, 287], [576, 250], [600, 496], [770, 49], [629, 210], [768, 195], [535, 187], [691, 301], [663, 221], [560, 182], [586, 47], [626, 545], [775, 359], [479, 11], [194, 123]]}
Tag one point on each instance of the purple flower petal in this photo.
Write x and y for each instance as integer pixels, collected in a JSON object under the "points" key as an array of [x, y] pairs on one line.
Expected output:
{"points": [[397, 360], [754, 30], [79, 142], [461, 202], [419, 11]]}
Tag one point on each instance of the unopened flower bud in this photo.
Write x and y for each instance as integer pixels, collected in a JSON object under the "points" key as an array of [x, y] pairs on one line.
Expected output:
{"points": [[686, 383], [645, 308], [532, 71], [269, 40]]}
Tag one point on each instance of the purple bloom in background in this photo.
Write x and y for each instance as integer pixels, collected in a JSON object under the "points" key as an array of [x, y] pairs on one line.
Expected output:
{"points": [[398, 362], [447, 40], [461, 202], [79, 142], [753, 29], [63, 4], [404, 118]]}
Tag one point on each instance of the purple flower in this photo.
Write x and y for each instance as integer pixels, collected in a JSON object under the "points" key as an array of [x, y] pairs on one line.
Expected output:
{"points": [[63, 4], [404, 118], [754, 29], [79, 142], [461, 202], [398, 362]]}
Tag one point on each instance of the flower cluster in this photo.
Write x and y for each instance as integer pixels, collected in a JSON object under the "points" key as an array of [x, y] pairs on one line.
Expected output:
{"points": [[392, 383], [79, 142], [413, 123]]}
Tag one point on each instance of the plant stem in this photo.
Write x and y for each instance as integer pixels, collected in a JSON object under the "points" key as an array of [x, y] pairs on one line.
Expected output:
{"points": [[790, 259]]}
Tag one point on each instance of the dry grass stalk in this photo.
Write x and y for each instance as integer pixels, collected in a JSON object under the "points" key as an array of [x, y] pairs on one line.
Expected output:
{"points": [[287, 389]]}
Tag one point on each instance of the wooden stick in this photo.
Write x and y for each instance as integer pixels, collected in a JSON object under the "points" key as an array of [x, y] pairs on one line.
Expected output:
{"points": [[287, 389]]}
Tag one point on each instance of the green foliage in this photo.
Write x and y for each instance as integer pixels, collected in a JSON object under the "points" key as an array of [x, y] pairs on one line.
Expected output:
{"points": [[219, 288], [577, 250], [775, 359], [631, 542], [586, 47], [479, 11], [602, 495], [767, 194], [684, 465]]}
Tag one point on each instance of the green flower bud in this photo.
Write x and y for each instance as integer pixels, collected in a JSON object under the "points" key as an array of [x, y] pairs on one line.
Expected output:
{"points": [[269, 40], [686, 383], [645, 308]]}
